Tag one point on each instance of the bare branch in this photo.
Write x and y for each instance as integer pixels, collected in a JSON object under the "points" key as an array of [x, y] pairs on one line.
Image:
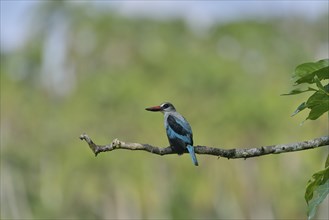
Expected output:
{"points": [[230, 153]]}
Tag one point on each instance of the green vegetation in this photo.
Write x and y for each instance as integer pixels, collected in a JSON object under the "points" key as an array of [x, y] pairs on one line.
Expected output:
{"points": [[313, 73], [105, 69], [317, 189]]}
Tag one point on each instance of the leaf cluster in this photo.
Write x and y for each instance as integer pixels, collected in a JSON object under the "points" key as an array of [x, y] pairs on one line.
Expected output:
{"points": [[317, 189], [313, 73]]}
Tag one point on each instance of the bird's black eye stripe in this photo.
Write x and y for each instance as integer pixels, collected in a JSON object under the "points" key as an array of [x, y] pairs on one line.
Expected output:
{"points": [[165, 105]]}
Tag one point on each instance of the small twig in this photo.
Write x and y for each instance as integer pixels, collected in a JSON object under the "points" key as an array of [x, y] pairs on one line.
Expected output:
{"points": [[230, 153]]}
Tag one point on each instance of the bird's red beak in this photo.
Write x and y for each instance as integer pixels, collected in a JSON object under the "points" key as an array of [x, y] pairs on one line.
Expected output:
{"points": [[154, 108]]}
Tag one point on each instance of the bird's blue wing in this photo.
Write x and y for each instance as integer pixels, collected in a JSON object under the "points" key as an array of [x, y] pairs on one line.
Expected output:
{"points": [[177, 128]]}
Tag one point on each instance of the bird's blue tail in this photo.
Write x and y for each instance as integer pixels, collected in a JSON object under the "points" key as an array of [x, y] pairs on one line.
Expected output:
{"points": [[192, 153]]}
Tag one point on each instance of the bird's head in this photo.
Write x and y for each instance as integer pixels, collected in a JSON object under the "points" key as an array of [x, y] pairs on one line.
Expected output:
{"points": [[164, 107]]}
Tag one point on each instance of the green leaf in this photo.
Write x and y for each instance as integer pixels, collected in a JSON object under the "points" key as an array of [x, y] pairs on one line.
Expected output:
{"points": [[300, 108], [298, 91], [306, 72], [316, 99], [307, 68], [313, 72], [323, 73], [326, 88], [319, 84], [318, 103], [317, 111], [321, 193], [317, 189]]}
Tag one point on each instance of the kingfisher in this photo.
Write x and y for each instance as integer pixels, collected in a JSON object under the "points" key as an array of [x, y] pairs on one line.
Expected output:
{"points": [[178, 130]]}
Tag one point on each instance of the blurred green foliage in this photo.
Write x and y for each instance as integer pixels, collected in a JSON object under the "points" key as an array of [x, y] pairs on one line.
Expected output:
{"points": [[317, 189], [94, 71], [313, 73]]}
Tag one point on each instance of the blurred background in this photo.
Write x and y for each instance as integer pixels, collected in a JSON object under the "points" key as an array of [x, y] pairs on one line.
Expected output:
{"points": [[69, 67]]}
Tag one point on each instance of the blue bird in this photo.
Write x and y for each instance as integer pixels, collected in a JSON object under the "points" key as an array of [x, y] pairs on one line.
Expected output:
{"points": [[178, 130]]}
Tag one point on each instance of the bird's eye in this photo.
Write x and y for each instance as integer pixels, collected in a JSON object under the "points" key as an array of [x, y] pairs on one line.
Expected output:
{"points": [[165, 105]]}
